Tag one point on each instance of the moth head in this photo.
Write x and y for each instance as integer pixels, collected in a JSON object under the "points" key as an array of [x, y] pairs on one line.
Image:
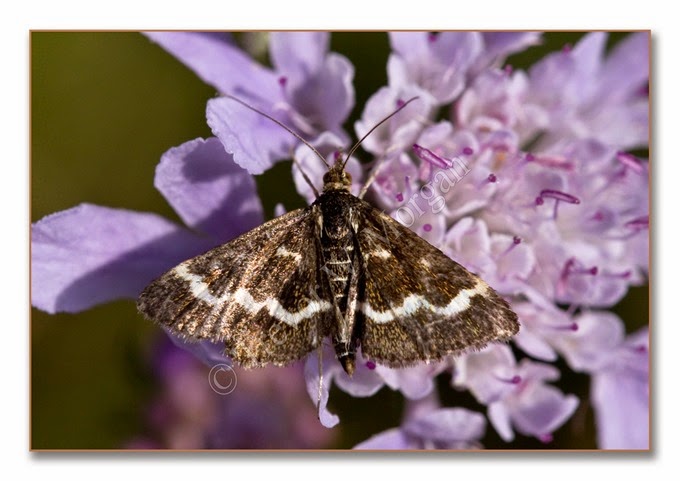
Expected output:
{"points": [[337, 178]]}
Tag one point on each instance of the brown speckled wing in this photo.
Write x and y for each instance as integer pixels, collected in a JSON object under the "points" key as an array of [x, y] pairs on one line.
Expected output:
{"points": [[415, 303], [260, 294]]}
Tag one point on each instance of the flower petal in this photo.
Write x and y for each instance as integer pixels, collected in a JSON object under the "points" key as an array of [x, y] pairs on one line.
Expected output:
{"points": [[297, 54], [626, 68], [320, 396], [215, 59], [499, 417], [414, 382], [533, 344], [591, 346], [391, 439], [621, 404], [448, 425], [403, 129], [497, 45], [319, 83], [488, 374], [89, 255], [620, 396], [542, 410], [364, 382], [327, 98], [208, 190], [435, 63], [255, 141], [409, 44]]}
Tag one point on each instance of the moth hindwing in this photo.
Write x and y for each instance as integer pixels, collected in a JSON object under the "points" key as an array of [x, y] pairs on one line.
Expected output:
{"points": [[340, 269]]}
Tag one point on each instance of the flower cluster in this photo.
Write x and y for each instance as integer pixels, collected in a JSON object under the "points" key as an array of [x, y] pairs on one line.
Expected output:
{"points": [[524, 177]]}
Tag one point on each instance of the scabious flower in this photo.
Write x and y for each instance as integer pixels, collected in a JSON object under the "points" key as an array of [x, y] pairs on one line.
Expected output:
{"points": [[524, 177]]}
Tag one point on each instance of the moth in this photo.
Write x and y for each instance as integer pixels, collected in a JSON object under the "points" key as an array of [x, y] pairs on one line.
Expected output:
{"points": [[338, 269]]}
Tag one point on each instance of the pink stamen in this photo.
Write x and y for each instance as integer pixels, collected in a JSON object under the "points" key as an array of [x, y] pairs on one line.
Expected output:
{"points": [[571, 268], [529, 157], [492, 178], [427, 227], [400, 103], [560, 196], [283, 80], [571, 326], [516, 379], [468, 151], [631, 162], [618, 275], [400, 197], [370, 365], [430, 157], [641, 223], [432, 37], [552, 162], [515, 242], [545, 438]]}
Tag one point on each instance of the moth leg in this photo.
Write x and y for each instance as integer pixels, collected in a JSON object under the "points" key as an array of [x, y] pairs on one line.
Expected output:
{"points": [[319, 352]]}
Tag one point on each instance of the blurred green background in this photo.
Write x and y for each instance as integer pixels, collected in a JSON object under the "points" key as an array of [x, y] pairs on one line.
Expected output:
{"points": [[104, 107]]}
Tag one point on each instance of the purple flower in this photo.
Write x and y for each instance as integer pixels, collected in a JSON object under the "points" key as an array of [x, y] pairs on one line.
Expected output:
{"points": [[534, 408], [428, 426], [516, 394], [308, 89]]}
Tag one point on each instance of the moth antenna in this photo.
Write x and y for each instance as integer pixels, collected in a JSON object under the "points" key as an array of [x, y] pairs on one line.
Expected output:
{"points": [[284, 126], [356, 146]]}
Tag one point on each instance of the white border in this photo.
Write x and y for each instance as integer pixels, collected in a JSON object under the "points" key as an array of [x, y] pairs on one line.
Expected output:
{"points": [[345, 14]]}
